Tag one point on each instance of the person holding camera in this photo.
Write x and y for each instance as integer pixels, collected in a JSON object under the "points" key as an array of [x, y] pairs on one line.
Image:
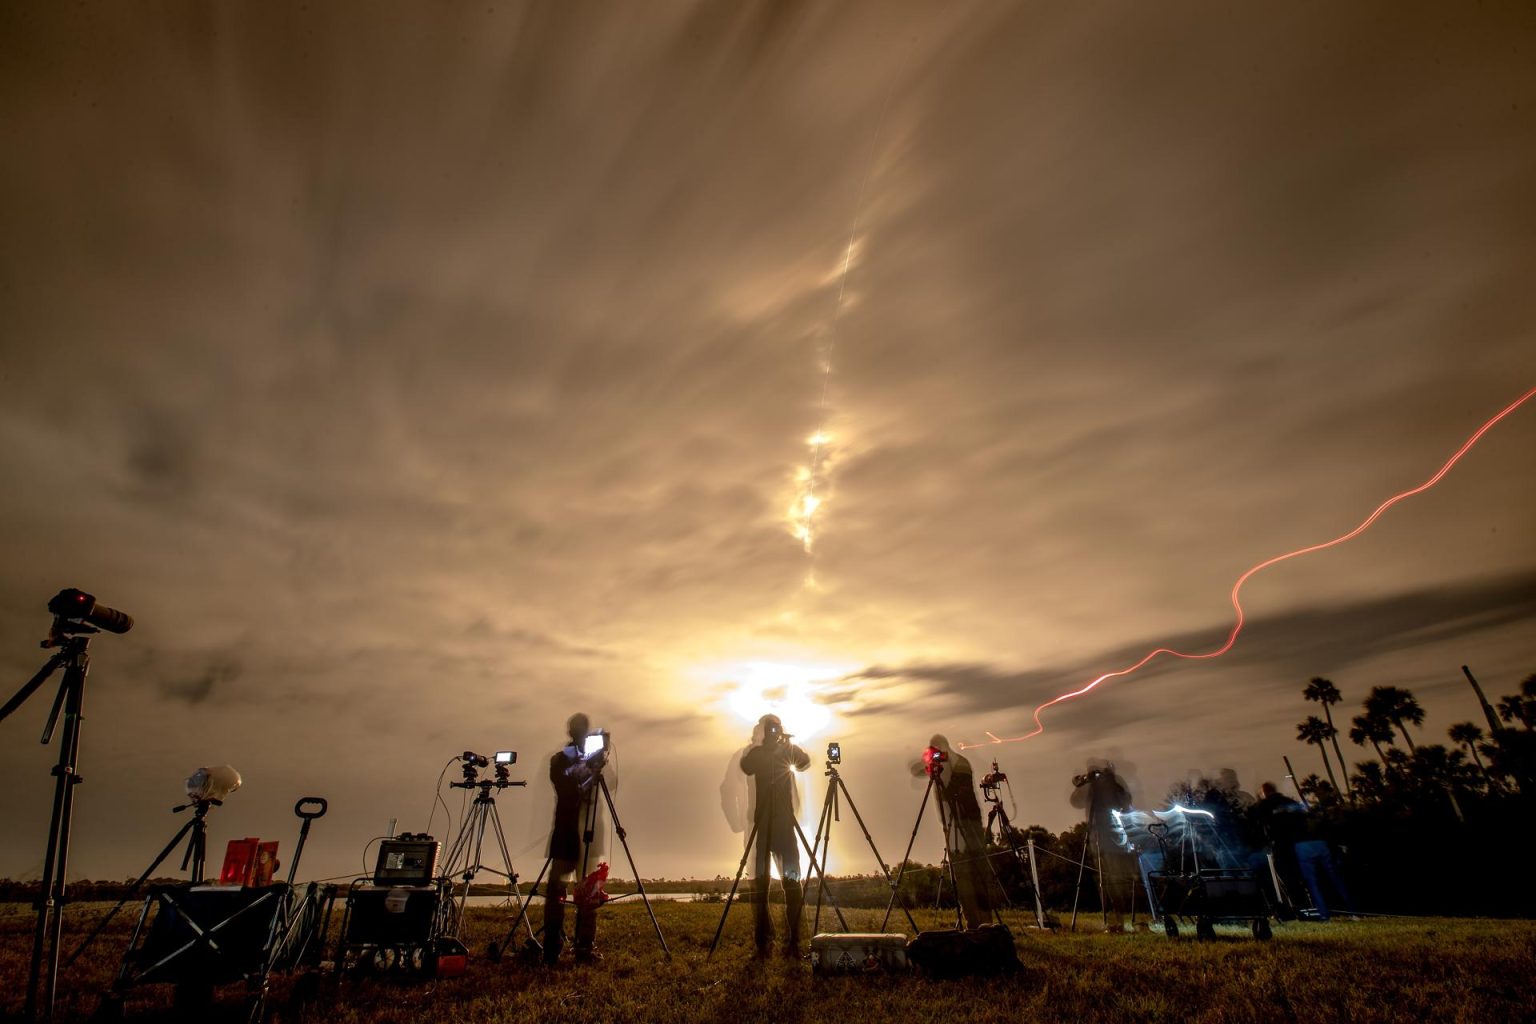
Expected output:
{"points": [[771, 763], [574, 774], [965, 838]]}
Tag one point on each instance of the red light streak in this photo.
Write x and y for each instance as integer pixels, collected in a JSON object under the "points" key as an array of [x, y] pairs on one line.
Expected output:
{"points": [[1237, 626]]}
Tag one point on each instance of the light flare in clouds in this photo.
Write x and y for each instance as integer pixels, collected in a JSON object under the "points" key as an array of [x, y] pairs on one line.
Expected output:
{"points": [[790, 689], [1237, 626]]}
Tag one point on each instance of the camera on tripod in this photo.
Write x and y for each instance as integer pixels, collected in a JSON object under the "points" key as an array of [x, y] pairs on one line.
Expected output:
{"points": [[75, 611], [1091, 775], [991, 784], [934, 759], [473, 763], [834, 753]]}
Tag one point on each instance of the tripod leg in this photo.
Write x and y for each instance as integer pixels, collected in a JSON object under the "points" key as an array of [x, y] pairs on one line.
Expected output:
{"points": [[522, 911], [824, 830], [618, 829], [905, 858], [50, 913], [1082, 865], [947, 821], [132, 889], [872, 849], [506, 859], [1098, 860], [821, 875], [740, 870]]}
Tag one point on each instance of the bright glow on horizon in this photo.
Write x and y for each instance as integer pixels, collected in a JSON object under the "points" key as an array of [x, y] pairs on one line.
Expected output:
{"points": [[793, 690]]}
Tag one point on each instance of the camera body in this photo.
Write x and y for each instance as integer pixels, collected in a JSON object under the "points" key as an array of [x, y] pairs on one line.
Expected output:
{"points": [[834, 753], [1091, 775], [934, 760], [991, 784]]}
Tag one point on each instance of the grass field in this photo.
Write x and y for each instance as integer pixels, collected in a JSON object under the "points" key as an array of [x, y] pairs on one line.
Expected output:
{"points": [[1418, 970]]}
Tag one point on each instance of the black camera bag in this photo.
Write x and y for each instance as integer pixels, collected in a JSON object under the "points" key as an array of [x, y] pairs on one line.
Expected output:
{"points": [[959, 954]]}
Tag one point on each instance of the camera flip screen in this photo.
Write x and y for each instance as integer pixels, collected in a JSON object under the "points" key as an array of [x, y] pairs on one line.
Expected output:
{"points": [[595, 743], [506, 757]]}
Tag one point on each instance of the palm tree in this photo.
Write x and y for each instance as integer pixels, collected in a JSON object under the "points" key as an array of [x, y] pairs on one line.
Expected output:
{"points": [[1469, 735], [1518, 708], [1397, 706], [1311, 786], [1316, 731], [1434, 766], [1370, 781], [1325, 693], [1371, 729]]}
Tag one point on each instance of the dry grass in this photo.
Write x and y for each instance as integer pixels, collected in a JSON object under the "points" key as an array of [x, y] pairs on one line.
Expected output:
{"points": [[1415, 970]]}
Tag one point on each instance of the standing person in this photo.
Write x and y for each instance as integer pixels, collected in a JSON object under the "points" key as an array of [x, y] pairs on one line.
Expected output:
{"points": [[965, 838], [771, 763], [574, 775], [1283, 823], [1102, 793]]}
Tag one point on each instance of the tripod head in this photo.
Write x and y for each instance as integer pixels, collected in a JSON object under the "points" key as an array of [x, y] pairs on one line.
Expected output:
{"points": [[992, 783], [499, 780], [200, 807]]}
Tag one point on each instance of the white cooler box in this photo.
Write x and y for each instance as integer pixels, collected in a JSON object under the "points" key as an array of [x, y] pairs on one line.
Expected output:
{"points": [[859, 953]]}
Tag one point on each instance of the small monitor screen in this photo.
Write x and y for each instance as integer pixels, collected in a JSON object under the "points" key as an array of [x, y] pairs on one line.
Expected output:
{"points": [[593, 744]]}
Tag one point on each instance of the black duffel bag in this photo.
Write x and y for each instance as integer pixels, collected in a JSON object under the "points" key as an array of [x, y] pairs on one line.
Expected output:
{"points": [[960, 954]]}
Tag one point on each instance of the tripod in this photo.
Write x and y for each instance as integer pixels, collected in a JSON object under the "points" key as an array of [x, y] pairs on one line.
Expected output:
{"points": [[823, 841], [465, 857], [1000, 833], [756, 832], [74, 658], [949, 821], [196, 858], [589, 832]]}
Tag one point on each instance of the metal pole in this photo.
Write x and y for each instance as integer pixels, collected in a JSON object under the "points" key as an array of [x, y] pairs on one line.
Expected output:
{"points": [[1034, 875], [1494, 726], [1290, 773]]}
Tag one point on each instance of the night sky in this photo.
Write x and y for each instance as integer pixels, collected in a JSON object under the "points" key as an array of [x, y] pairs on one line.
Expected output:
{"points": [[419, 374]]}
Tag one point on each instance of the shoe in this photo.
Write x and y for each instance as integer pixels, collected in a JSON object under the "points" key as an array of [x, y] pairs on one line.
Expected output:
{"points": [[588, 956]]}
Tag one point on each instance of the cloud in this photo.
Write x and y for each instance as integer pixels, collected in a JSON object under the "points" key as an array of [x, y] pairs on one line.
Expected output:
{"points": [[1287, 647]]}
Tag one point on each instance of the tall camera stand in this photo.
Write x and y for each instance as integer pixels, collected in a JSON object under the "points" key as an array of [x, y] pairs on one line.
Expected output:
{"points": [[75, 659], [1000, 833], [1090, 838], [196, 858], [906, 858], [949, 821], [589, 832], [752, 839], [465, 857], [823, 840]]}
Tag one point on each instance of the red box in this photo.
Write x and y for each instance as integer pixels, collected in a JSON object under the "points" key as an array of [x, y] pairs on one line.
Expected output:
{"points": [[239, 858], [249, 861], [266, 864]]}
